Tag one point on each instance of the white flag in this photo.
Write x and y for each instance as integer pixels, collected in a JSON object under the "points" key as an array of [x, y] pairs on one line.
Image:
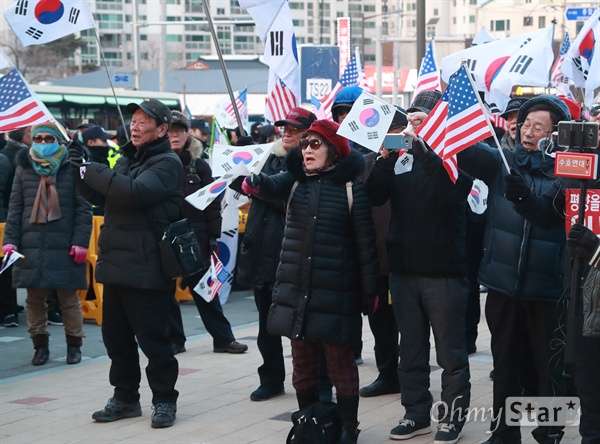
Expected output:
{"points": [[368, 121], [225, 157], [582, 61], [204, 196], [530, 65], [5, 62], [485, 61], [10, 259], [37, 22], [482, 37]]}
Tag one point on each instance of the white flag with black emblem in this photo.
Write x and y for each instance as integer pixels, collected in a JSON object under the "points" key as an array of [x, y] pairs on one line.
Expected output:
{"points": [[368, 121], [38, 22]]}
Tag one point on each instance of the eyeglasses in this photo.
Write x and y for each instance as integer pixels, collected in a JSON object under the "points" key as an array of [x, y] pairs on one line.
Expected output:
{"points": [[315, 144], [595, 110], [177, 131], [45, 139], [536, 130]]}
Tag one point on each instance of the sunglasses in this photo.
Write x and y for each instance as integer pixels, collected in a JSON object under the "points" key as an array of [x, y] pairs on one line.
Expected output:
{"points": [[45, 139], [595, 110], [315, 144]]}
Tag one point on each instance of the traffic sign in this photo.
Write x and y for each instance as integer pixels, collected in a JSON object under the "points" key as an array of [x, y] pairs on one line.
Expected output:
{"points": [[121, 78], [580, 14]]}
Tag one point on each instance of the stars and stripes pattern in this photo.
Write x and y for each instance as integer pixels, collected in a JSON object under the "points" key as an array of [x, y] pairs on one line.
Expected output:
{"points": [[456, 122], [560, 81], [241, 102], [429, 74], [280, 101], [350, 77], [19, 107], [212, 281], [316, 108]]}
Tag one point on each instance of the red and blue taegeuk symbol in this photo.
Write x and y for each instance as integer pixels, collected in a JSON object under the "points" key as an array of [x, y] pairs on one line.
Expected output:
{"points": [[242, 157], [217, 187], [493, 70], [49, 11], [369, 117]]}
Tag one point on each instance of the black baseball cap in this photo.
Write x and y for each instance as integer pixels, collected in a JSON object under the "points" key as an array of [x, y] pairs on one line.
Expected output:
{"points": [[513, 106], [153, 108], [202, 125], [94, 132], [180, 119]]}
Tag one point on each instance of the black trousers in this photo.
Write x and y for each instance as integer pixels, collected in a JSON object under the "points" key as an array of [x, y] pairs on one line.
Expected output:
{"points": [[272, 370], [385, 332], [212, 316], [474, 238], [511, 321], [8, 295], [131, 316]]}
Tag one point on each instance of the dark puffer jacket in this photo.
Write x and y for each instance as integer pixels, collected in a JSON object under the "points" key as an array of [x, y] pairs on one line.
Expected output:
{"points": [[46, 247], [328, 257], [144, 181], [261, 246], [520, 259]]}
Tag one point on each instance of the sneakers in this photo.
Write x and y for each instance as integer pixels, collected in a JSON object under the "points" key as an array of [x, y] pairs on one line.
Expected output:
{"points": [[11, 320], [54, 318], [447, 434], [115, 410], [164, 414], [407, 428], [234, 347], [263, 393]]}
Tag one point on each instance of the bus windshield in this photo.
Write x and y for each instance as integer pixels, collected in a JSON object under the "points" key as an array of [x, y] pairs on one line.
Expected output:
{"points": [[73, 104]]}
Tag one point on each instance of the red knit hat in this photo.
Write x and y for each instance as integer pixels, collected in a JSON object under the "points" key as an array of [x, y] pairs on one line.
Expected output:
{"points": [[328, 130]]}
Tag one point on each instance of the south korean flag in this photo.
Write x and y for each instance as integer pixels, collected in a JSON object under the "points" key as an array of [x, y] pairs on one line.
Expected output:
{"points": [[368, 121]]}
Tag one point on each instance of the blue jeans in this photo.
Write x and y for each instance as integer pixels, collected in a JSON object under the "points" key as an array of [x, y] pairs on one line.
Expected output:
{"points": [[420, 302]]}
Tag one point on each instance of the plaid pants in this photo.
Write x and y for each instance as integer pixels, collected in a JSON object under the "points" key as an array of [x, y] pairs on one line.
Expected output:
{"points": [[341, 366]]}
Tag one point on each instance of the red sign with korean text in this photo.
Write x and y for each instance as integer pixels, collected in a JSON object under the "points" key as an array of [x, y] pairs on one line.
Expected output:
{"points": [[575, 165], [592, 209], [343, 41]]}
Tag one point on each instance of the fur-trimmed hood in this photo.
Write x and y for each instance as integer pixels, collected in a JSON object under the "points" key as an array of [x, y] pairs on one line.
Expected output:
{"points": [[194, 146], [278, 148], [345, 170]]}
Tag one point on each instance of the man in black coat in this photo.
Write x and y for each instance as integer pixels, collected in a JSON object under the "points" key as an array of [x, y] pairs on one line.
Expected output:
{"points": [[259, 255], [141, 196]]}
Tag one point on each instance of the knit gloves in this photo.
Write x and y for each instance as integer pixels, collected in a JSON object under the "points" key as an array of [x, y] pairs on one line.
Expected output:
{"points": [[583, 243]]}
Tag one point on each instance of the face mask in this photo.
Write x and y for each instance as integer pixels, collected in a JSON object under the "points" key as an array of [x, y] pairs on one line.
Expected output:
{"points": [[45, 149]]}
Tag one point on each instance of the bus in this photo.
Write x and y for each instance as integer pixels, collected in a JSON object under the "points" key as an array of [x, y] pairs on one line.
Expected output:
{"points": [[72, 104]]}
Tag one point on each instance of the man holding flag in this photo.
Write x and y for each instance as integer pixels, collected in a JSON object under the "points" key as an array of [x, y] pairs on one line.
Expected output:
{"points": [[428, 289], [520, 266]]}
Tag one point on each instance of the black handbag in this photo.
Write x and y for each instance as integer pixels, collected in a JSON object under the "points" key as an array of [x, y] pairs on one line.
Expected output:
{"points": [[180, 253], [319, 423]]}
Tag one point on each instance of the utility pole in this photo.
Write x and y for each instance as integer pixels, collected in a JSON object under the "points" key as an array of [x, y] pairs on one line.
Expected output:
{"points": [[136, 45], [421, 11], [162, 51]]}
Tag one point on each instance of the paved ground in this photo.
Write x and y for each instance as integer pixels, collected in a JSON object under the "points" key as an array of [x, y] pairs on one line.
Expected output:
{"points": [[54, 403]]}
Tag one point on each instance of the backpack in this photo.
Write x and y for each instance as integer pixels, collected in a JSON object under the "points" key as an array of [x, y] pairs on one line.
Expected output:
{"points": [[318, 423]]}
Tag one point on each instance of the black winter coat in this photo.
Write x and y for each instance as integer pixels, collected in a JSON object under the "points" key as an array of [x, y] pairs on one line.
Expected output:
{"points": [[261, 245], [328, 258], [144, 181], [6, 178], [46, 247]]}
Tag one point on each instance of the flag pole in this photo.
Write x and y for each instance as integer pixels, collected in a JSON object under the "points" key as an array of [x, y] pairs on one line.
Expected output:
{"points": [[490, 126], [555, 59], [223, 68], [110, 82]]}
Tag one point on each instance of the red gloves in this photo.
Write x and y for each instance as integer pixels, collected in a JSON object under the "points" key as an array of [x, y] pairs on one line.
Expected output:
{"points": [[79, 253], [8, 248], [251, 184]]}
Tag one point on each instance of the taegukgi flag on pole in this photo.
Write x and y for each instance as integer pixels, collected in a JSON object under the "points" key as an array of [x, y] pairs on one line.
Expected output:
{"points": [[456, 122], [204, 196], [212, 281], [225, 157], [582, 61], [42, 21], [368, 121], [19, 106]]}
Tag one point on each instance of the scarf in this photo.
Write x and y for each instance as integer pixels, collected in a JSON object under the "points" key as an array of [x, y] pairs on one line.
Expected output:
{"points": [[46, 207], [47, 157]]}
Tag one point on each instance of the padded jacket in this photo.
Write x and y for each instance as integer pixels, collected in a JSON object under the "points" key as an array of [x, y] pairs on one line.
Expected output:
{"points": [[328, 258], [145, 182], [46, 247]]}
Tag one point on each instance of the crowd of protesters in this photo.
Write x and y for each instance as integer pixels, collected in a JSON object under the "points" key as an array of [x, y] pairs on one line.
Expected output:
{"points": [[334, 231]]}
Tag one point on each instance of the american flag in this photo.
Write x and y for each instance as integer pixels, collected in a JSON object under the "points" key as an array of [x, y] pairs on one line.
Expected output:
{"points": [[457, 121], [241, 102], [495, 119], [212, 281], [558, 78], [350, 77], [429, 74], [316, 108], [280, 101], [19, 107]]}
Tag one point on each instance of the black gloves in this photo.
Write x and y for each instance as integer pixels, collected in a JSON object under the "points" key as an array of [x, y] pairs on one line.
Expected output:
{"points": [[419, 149], [515, 187], [583, 243], [244, 141], [370, 303], [78, 154]]}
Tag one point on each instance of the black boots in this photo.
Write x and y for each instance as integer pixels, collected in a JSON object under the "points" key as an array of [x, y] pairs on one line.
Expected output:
{"points": [[42, 352], [347, 406], [73, 350]]}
